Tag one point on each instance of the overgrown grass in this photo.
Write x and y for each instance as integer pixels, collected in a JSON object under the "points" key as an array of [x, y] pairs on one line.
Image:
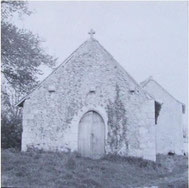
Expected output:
{"points": [[65, 170]]}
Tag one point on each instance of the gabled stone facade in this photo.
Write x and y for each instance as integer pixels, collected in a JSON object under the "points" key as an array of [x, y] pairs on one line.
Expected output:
{"points": [[169, 127], [90, 80]]}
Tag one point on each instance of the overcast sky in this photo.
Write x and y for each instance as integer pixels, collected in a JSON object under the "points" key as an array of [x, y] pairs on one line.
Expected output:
{"points": [[146, 38]]}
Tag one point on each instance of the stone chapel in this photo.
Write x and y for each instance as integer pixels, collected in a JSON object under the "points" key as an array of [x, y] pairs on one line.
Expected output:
{"points": [[91, 105]]}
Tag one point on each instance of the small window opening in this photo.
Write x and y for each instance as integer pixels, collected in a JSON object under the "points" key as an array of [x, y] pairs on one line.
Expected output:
{"points": [[132, 91], [157, 111], [92, 92], [51, 88], [183, 108]]}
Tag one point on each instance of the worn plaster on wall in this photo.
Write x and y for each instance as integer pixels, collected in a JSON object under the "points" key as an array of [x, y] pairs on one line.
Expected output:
{"points": [[90, 80]]}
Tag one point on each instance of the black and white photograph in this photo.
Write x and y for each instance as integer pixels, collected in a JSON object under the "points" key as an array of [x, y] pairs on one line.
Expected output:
{"points": [[94, 94]]}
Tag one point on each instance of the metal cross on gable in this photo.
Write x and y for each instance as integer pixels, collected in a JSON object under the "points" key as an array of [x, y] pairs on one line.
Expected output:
{"points": [[91, 33]]}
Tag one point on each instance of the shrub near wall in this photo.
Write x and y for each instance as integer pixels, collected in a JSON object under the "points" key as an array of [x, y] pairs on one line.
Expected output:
{"points": [[11, 132]]}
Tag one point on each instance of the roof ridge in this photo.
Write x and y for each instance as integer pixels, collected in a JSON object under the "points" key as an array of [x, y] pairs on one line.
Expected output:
{"points": [[152, 79]]}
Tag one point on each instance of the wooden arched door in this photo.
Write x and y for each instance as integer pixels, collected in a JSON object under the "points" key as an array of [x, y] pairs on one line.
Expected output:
{"points": [[91, 135]]}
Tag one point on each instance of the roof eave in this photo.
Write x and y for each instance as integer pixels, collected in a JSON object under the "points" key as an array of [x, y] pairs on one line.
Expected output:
{"points": [[20, 103]]}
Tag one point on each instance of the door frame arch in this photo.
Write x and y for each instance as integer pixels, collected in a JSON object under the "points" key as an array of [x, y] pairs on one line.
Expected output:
{"points": [[98, 109], [104, 127]]}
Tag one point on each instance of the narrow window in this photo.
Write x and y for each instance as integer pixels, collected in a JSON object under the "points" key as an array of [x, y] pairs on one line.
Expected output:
{"points": [[183, 108], [157, 110]]}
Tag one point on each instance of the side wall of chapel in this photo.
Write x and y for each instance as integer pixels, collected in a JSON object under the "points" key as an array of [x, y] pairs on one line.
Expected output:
{"points": [[169, 128]]}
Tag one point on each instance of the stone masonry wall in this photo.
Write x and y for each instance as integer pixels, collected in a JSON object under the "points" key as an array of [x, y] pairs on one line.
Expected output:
{"points": [[169, 128], [90, 80]]}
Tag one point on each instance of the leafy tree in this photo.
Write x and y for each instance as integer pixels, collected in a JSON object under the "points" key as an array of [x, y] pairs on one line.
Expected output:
{"points": [[22, 53], [10, 7], [21, 57]]}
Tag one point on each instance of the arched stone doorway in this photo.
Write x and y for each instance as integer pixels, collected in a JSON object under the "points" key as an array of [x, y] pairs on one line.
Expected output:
{"points": [[91, 135]]}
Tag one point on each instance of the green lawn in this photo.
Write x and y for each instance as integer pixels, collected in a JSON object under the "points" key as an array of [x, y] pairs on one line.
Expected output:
{"points": [[54, 170]]}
